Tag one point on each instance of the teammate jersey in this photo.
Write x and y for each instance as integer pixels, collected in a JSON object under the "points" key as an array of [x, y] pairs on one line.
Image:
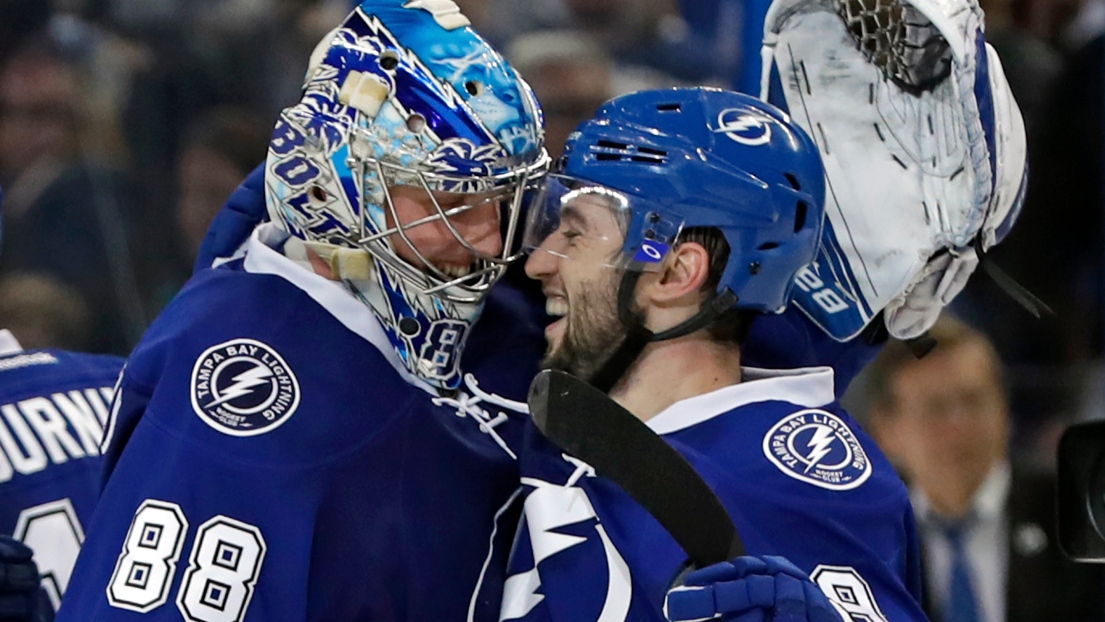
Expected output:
{"points": [[53, 406], [798, 476], [270, 459]]}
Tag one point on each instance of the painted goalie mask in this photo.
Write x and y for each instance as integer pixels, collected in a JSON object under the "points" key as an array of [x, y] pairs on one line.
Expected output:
{"points": [[404, 98]]}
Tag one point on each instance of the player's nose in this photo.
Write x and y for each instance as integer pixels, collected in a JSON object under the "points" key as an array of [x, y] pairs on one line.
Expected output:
{"points": [[541, 263]]}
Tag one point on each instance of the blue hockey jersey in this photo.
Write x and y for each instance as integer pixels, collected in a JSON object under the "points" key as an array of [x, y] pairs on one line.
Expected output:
{"points": [[270, 459], [53, 406], [798, 476]]}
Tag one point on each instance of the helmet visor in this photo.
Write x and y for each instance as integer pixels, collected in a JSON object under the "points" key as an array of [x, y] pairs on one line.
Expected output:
{"points": [[583, 221]]}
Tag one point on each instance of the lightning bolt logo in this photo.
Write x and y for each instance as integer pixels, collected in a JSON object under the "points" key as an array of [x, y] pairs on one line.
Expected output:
{"points": [[244, 384], [818, 447], [246, 367], [745, 129], [820, 444], [548, 508]]}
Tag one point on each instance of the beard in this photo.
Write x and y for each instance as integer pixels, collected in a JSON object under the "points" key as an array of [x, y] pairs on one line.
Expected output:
{"points": [[594, 330]]}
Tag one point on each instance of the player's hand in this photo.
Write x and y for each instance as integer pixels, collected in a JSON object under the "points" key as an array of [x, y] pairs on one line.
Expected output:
{"points": [[19, 582], [750, 589]]}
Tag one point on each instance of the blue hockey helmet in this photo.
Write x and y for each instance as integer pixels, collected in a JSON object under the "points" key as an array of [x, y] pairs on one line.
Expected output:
{"points": [[405, 93], [668, 160]]}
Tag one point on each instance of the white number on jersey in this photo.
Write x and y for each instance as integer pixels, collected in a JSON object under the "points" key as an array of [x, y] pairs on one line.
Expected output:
{"points": [[849, 593], [148, 562], [54, 532], [223, 569]]}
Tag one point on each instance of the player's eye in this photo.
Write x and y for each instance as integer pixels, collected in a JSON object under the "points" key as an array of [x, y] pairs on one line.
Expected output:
{"points": [[571, 237]]}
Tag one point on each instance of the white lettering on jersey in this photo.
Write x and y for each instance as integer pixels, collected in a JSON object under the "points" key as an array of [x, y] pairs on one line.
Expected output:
{"points": [[38, 431], [222, 573], [26, 360], [825, 297]]}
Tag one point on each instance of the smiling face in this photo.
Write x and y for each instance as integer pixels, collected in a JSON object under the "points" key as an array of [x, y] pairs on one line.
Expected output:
{"points": [[575, 266], [428, 239]]}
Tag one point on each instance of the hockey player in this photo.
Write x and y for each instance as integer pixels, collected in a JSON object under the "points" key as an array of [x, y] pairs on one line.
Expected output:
{"points": [[676, 217], [294, 438]]}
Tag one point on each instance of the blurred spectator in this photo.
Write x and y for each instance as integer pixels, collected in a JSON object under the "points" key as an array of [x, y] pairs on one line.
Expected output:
{"points": [[67, 212], [571, 76], [729, 33], [20, 20], [42, 312], [1031, 63], [219, 150], [644, 37], [1057, 249], [987, 524]]}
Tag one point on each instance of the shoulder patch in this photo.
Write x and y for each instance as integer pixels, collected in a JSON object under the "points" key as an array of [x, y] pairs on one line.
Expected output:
{"points": [[818, 448], [243, 388]]}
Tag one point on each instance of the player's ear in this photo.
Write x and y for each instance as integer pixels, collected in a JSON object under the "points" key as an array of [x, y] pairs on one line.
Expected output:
{"points": [[682, 276]]}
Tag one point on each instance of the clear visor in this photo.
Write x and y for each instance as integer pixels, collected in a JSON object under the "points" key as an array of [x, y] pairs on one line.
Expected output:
{"points": [[583, 221]]}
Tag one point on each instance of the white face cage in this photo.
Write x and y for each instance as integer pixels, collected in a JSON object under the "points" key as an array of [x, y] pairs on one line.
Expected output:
{"points": [[505, 190]]}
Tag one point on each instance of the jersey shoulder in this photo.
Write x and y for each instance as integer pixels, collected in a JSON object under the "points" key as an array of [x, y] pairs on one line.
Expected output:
{"points": [[795, 455], [239, 355], [35, 372]]}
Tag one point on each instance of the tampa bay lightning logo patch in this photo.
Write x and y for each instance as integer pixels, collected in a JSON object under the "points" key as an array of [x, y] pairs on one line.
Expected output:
{"points": [[243, 388], [818, 448]]}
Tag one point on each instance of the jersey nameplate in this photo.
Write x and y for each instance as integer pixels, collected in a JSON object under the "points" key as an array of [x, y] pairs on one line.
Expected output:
{"points": [[818, 448], [243, 388]]}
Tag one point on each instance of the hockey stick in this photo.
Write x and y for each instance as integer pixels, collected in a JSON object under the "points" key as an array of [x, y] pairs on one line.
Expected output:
{"points": [[587, 424]]}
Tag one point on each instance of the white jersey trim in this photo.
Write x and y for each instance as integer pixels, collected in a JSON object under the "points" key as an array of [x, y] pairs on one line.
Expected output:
{"points": [[810, 387], [262, 258]]}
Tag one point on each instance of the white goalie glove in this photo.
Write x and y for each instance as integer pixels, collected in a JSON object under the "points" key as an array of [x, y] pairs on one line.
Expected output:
{"points": [[924, 151]]}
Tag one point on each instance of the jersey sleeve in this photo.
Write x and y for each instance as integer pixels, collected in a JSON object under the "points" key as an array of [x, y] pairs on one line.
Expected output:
{"points": [[183, 532]]}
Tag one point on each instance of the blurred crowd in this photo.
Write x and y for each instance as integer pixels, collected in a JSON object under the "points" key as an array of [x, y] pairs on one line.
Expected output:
{"points": [[124, 125]]}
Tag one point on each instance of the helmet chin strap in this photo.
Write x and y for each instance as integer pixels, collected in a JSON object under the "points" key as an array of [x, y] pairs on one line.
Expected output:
{"points": [[637, 336]]}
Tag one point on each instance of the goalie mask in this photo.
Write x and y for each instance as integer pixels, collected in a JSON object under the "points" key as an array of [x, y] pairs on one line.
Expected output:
{"points": [[924, 152], [404, 99]]}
